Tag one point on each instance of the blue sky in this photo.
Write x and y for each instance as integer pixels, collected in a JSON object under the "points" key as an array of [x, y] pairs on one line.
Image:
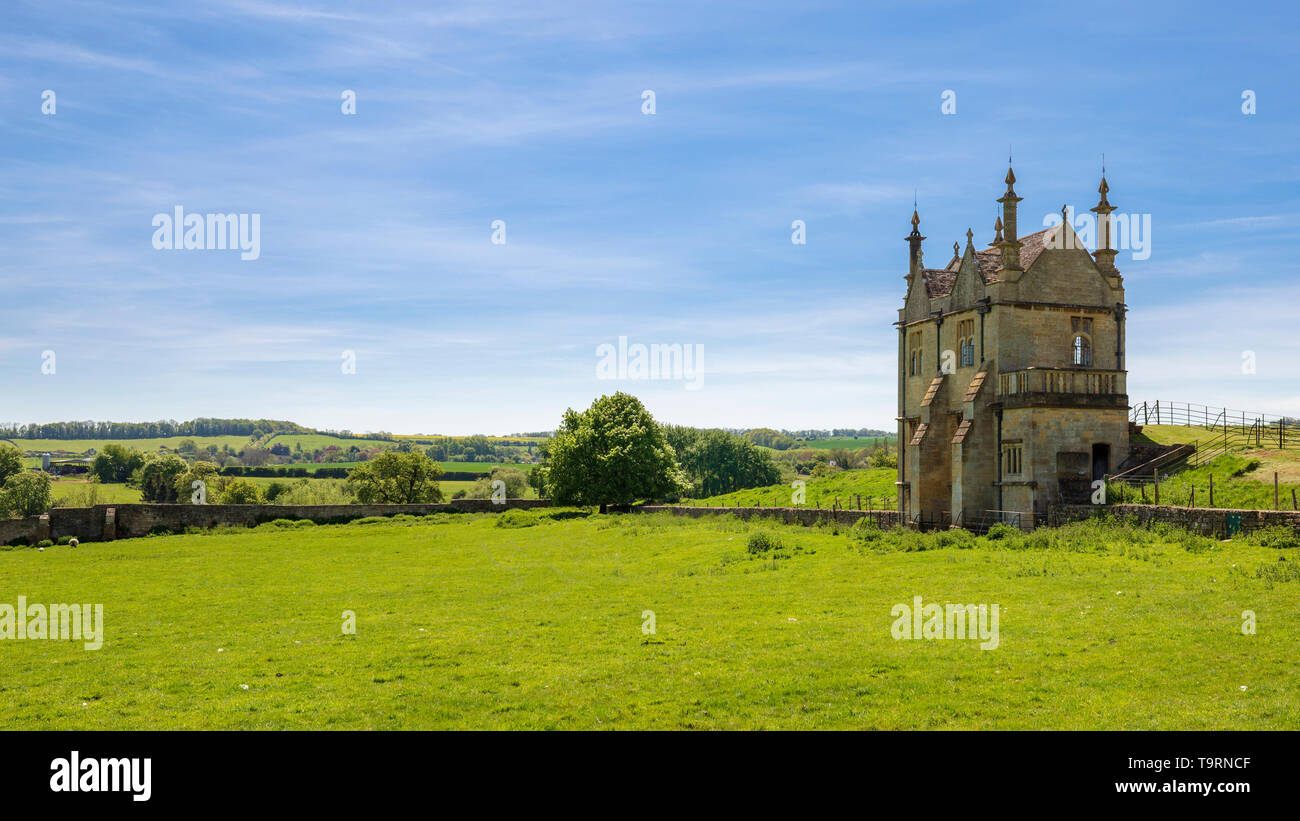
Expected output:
{"points": [[672, 227]]}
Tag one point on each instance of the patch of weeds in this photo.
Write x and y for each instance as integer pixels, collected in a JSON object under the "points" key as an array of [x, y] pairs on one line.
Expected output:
{"points": [[770, 544], [1001, 531], [765, 541], [285, 524], [1279, 571], [1279, 536], [517, 518], [866, 531]]}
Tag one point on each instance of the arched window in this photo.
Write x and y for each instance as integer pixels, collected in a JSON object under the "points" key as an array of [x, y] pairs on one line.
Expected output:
{"points": [[966, 342], [1082, 350]]}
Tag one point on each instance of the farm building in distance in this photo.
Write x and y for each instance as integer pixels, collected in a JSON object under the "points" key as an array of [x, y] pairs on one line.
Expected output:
{"points": [[1011, 374]]}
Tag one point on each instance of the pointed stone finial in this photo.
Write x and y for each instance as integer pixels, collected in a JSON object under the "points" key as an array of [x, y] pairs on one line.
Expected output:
{"points": [[956, 250], [970, 237], [997, 230], [1103, 189], [1105, 254], [914, 240]]}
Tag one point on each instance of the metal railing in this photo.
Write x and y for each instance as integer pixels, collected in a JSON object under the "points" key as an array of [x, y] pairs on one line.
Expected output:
{"points": [[1082, 381], [980, 523], [1231, 429]]}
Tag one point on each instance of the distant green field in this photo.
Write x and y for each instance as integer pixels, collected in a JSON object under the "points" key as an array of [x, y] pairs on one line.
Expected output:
{"points": [[314, 441], [450, 488], [121, 494], [483, 467], [144, 445], [105, 494], [844, 442], [263, 481], [472, 467], [874, 484], [312, 467], [462, 623], [430, 438]]}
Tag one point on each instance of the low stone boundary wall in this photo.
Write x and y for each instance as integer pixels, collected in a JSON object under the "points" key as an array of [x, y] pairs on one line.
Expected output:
{"points": [[108, 522], [790, 515], [1211, 521]]}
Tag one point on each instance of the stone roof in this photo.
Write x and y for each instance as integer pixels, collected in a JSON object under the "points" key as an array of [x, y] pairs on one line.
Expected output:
{"points": [[939, 283]]}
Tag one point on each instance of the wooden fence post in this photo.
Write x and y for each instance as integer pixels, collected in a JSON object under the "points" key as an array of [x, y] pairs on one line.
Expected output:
{"points": [[1294, 506], [1211, 490]]}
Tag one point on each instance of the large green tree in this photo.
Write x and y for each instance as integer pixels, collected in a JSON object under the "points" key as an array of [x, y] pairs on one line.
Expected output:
{"points": [[116, 463], [26, 493], [394, 478], [158, 477], [717, 462], [613, 453]]}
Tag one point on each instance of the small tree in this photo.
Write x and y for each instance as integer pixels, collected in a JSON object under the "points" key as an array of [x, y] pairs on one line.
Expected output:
{"points": [[516, 482], [240, 492], [116, 463], [397, 479], [158, 477], [26, 493], [537, 480], [611, 453], [205, 472], [11, 462]]}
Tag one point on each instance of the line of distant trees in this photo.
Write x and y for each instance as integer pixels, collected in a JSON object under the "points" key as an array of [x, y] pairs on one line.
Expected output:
{"points": [[151, 430]]}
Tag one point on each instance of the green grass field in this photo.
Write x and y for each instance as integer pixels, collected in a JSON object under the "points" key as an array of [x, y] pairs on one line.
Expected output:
{"points": [[121, 494], [461, 623], [845, 442], [105, 494], [876, 484], [142, 445], [312, 441]]}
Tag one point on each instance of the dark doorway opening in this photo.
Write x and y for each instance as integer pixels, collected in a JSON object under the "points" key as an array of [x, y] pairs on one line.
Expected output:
{"points": [[1100, 461]]}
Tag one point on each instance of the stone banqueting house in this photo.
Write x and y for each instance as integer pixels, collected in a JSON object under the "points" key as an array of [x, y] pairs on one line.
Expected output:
{"points": [[1011, 374]]}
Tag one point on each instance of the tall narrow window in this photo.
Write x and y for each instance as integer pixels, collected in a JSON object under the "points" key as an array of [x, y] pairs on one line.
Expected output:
{"points": [[1011, 459], [1081, 341], [1082, 350], [966, 341]]}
